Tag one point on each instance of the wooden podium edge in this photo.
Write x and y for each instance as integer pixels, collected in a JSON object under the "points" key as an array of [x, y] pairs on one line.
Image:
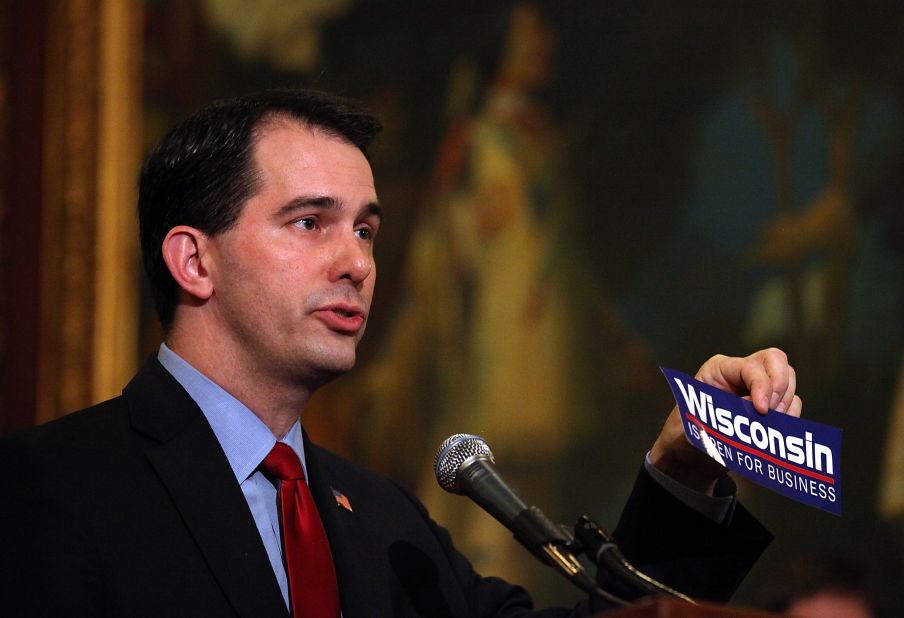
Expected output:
{"points": [[673, 608]]}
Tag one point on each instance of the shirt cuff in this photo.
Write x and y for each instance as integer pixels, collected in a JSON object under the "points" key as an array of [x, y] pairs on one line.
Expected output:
{"points": [[718, 507]]}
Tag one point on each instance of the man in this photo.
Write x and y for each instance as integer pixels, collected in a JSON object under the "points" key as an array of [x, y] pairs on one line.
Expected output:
{"points": [[258, 218]]}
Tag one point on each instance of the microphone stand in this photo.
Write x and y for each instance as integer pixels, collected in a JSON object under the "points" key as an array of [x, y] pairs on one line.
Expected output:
{"points": [[595, 543], [554, 545], [558, 547]]}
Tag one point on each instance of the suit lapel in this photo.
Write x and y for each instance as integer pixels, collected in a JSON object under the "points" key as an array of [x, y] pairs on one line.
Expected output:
{"points": [[363, 587], [194, 469]]}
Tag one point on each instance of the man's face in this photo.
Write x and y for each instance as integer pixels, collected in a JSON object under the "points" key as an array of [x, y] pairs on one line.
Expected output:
{"points": [[294, 278]]}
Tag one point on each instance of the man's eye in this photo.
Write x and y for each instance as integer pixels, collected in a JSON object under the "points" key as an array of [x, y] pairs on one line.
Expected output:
{"points": [[308, 223], [364, 233]]}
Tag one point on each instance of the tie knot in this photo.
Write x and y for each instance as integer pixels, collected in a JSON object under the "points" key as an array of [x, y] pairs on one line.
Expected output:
{"points": [[283, 463]]}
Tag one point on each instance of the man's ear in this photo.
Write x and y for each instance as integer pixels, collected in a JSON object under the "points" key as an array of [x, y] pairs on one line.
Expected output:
{"points": [[185, 254]]}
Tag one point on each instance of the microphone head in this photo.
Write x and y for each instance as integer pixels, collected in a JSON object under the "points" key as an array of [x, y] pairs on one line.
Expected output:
{"points": [[452, 453]]}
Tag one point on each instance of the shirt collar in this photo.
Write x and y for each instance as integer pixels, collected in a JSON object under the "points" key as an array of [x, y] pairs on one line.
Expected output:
{"points": [[245, 439]]}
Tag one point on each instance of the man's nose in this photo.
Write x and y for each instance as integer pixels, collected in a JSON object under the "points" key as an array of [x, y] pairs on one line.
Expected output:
{"points": [[352, 260]]}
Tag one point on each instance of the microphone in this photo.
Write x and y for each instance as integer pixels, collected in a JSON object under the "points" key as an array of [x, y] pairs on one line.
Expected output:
{"points": [[464, 465]]}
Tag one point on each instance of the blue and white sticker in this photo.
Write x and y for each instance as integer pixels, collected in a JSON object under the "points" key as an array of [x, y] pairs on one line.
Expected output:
{"points": [[795, 457]]}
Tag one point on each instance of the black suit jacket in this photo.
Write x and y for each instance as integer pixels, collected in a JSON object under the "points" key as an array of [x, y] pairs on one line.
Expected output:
{"points": [[130, 508]]}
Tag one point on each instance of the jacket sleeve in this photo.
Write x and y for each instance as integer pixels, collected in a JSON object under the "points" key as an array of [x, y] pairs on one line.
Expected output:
{"points": [[673, 543]]}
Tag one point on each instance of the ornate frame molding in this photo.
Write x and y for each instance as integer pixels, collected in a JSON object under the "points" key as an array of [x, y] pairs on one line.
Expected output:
{"points": [[89, 261]]}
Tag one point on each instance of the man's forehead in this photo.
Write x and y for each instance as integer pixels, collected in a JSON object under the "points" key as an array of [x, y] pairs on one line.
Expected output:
{"points": [[308, 163], [298, 143]]}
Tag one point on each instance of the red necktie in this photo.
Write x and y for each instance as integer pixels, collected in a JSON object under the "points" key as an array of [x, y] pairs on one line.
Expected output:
{"points": [[313, 590]]}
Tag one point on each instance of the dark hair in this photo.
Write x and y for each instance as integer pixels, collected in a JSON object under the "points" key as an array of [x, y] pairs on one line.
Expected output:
{"points": [[202, 172]]}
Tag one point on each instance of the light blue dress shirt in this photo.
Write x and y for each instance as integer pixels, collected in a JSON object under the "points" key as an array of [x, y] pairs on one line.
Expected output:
{"points": [[246, 440]]}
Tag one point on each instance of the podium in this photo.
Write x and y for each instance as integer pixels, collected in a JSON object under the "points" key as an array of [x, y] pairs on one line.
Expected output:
{"points": [[671, 608]]}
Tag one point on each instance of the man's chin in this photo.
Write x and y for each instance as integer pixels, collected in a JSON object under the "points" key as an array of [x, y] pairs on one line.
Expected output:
{"points": [[328, 370]]}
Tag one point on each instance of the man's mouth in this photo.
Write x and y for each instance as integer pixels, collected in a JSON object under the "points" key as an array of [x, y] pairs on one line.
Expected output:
{"points": [[342, 318]]}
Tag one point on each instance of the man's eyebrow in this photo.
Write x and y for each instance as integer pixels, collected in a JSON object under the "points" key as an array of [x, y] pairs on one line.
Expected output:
{"points": [[308, 201], [325, 201], [373, 209]]}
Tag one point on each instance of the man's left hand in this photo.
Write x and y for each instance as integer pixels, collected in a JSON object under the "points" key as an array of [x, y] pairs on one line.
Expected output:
{"points": [[764, 377]]}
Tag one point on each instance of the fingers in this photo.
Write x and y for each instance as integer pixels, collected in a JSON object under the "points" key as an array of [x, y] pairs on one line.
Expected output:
{"points": [[765, 376], [741, 376], [785, 400], [724, 372], [796, 407], [756, 378], [780, 373]]}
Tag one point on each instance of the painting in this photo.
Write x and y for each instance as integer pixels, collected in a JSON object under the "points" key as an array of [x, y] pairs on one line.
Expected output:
{"points": [[579, 193]]}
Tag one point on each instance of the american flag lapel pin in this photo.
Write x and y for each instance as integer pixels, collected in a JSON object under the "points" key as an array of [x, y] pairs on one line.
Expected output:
{"points": [[341, 500]]}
